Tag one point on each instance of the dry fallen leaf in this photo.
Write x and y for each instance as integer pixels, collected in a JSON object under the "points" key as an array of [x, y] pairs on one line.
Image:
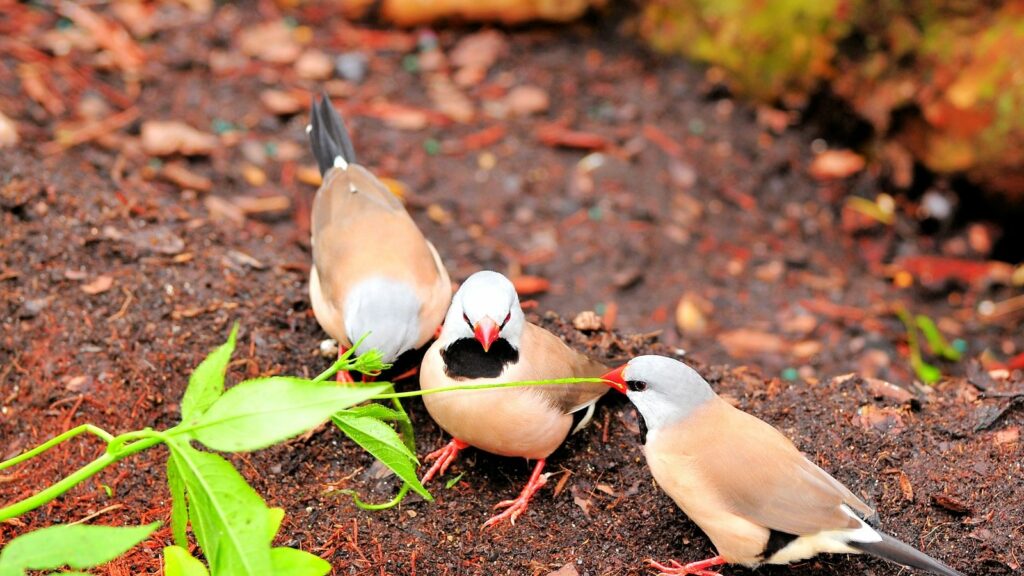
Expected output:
{"points": [[270, 41], [567, 570], [836, 164], [314, 65], [527, 100], [530, 285], [744, 342], [906, 487], [281, 103], [177, 173], [690, 317], [98, 286], [8, 131], [480, 50], [166, 137]]}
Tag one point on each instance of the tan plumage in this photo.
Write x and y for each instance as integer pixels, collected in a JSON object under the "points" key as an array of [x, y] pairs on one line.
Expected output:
{"points": [[486, 339], [526, 422], [373, 270], [367, 233], [697, 462], [744, 483]]}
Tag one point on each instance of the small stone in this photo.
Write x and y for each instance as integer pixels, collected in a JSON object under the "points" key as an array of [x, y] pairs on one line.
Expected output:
{"points": [[587, 321], [527, 100], [352, 66]]}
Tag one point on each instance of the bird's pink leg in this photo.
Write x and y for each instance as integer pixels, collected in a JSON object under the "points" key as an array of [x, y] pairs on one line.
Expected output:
{"points": [[691, 569], [445, 456], [518, 506], [407, 374], [343, 377]]}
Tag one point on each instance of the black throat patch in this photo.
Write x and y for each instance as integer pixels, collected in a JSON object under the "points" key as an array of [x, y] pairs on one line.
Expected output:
{"points": [[465, 359]]}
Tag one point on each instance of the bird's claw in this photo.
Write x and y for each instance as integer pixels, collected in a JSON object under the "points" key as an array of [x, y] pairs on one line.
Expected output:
{"points": [[444, 457], [692, 569]]}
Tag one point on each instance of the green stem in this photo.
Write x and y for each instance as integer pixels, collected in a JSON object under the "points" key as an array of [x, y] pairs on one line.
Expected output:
{"points": [[382, 506], [524, 383], [84, 428], [69, 482]]}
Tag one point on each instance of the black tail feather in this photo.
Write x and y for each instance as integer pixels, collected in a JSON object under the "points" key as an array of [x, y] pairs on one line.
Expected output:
{"points": [[327, 136], [895, 551]]}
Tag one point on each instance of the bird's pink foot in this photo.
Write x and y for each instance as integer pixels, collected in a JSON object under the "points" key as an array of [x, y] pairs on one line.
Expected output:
{"points": [[444, 457], [692, 569], [514, 508], [407, 374]]}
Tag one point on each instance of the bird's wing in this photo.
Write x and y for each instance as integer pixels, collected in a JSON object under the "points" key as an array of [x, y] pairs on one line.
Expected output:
{"points": [[758, 474], [361, 229], [544, 355]]}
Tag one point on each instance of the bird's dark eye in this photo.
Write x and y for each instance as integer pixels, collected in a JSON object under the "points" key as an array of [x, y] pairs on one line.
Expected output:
{"points": [[507, 318], [636, 385], [466, 318]]}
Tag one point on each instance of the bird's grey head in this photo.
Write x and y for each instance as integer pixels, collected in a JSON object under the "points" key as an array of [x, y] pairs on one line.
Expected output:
{"points": [[664, 390], [387, 312], [486, 307]]}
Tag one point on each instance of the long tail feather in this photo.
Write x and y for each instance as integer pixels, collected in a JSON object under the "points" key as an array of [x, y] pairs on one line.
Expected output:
{"points": [[328, 137], [893, 550]]}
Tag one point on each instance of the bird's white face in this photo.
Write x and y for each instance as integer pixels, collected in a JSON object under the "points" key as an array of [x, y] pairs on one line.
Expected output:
{"points": [[485, 308], [664, 390]]}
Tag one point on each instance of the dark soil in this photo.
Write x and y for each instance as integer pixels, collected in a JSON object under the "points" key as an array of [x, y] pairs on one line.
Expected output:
{"points": [[694, 194]]}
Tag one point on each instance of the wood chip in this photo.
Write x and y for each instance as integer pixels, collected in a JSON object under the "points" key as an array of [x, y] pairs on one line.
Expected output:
{"points": [[98, 286]]}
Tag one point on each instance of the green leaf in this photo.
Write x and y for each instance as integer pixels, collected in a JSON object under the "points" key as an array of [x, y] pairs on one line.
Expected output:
{"points": [[378, 411], [73, 545], [259, 413], [274, 518], [229, 518], [178, 562], [936, 342], [179, 505], [384, 444], [206, 383], [453, 481], [292, 562]]}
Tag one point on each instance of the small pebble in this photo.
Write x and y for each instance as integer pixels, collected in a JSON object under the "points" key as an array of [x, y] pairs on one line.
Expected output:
{"points": [[352, 66]]}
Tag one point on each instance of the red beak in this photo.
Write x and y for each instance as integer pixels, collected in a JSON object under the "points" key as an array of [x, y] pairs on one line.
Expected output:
{"points": [[486, 332], [615, 378]]}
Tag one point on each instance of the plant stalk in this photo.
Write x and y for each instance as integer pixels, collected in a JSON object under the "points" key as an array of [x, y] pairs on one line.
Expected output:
{"points": [[84, 428]]}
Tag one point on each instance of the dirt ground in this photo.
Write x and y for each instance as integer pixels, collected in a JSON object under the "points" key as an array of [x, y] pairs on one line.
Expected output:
{"points": [[639, 183]]}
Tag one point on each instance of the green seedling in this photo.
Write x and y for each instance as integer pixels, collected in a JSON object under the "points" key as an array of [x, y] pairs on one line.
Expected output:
{"points": [[230, 522], [452, 482], [937, 344]]}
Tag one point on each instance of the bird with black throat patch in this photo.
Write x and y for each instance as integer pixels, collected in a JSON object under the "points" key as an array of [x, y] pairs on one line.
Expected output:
{"points": [[374, 274], [486, 339], [758, 499]]}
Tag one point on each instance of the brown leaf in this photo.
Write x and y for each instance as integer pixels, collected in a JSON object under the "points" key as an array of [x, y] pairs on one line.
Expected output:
{"points": [[281, 103], [835, 165], [578, 498], [906, 487], [690, 316], [270, 41], [8, 132], [480, 50], [886, 419], [98, 286], [558, 135], [567, 570], [177, 173], [530, 285], [1008, 436], [950, 503], [744, 343], [166, 137], [527, 100]]}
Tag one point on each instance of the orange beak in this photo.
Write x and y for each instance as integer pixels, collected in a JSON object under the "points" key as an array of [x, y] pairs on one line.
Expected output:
{"points": [[486, 332], [616, 379]]}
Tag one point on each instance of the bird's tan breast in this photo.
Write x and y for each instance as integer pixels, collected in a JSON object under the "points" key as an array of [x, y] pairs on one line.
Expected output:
{"points": [[504, 421], [676, 457]]}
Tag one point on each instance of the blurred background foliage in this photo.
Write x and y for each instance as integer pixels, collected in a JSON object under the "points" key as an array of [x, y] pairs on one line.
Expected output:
{"points": [[944, 80]]}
